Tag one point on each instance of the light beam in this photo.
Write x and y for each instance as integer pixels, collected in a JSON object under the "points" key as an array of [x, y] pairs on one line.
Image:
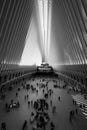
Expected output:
{"points": [[45, 12]]}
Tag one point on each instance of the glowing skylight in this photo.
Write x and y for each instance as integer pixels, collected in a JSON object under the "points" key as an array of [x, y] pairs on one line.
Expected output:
{"points": [[32, 53]]}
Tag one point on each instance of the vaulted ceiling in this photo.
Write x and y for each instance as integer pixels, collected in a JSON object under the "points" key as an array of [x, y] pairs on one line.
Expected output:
{"points": [[19, 19]]}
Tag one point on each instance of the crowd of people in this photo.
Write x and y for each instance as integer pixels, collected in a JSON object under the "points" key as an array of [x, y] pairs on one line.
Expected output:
{"points": [[39, 117]]}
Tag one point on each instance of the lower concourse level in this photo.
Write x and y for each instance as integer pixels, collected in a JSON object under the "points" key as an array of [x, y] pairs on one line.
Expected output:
{"points": [[43, 102]]}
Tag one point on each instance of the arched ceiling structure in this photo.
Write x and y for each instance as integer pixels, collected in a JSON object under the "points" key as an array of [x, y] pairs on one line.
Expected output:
{"points": [[54, 31]]}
